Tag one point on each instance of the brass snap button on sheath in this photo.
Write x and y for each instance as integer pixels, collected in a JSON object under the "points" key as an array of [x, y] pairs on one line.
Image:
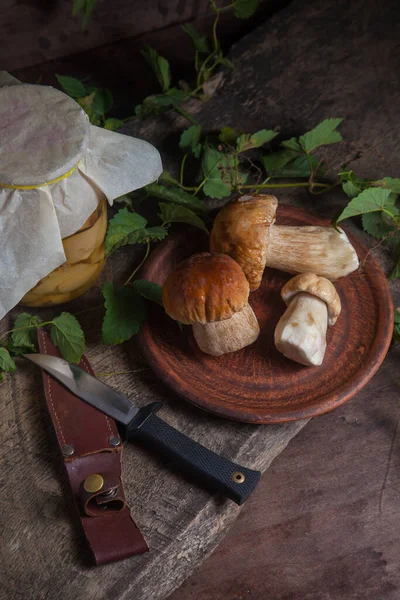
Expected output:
{"points": [[93, 483], [238, 477]]}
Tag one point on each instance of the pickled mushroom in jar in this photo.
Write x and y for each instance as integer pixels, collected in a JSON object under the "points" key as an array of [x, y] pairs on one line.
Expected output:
{"points": [[57, 171]]}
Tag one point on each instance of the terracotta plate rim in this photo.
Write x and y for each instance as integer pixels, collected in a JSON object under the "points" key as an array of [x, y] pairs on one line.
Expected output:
{"points": [[321, 405]]}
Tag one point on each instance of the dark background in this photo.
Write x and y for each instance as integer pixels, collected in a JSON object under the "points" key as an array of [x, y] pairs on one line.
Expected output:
{"points": [[41, 37]]}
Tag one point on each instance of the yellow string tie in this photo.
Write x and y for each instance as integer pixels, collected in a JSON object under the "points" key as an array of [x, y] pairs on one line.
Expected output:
{"points": [[34, 187]]}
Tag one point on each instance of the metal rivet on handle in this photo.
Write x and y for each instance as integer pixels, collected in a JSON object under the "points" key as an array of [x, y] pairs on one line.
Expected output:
{"points": [[68, 450], [114, 440], [93, 483], [238, 477]]}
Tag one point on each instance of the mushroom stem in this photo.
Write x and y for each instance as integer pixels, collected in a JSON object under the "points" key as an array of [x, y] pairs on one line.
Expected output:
{"points": [[229, 335], [301, 331], [320, 250]]}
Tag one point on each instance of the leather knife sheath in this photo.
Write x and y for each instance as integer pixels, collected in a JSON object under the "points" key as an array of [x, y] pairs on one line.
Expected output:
{"points": [[91, 448]]}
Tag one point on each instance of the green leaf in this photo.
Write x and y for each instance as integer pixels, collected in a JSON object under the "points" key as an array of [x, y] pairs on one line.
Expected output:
{"points": [[395, 274], [396, 330], [375, 224], [229, 136], [167, 177], [287, 164], [173, 213], [292, 144], [222, 60], [84, 6], [390, 184], [67, 335], [19, 350], [214, 166], [190, 140], [128, 227], [274, 162], [120, 226], [113, 124], [200, 42], [159, 65], [125, 313], [243, 177], [247, 141], [141, 236], [351, 189], [244, 9], [71, 86], [323, 134], [26, 325], [6, 362], [149, 290], [77, 5], [155, 105], [173, 97], [102, 102], [370, 200], [175, 195]]}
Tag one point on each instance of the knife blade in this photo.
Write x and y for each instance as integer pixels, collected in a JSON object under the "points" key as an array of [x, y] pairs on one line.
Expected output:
{"points": [[142, 424]]}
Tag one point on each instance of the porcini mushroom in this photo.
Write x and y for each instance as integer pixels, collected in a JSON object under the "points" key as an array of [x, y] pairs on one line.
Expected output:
{"points": [[210, 292], [245, 230], [313, 304]]}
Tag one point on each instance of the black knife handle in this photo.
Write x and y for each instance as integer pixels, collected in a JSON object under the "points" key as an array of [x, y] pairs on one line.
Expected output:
{"points": [[220, 474]]}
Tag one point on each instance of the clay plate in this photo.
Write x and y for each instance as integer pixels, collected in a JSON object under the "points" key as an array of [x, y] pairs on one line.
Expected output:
{"points": [[258, 384]]}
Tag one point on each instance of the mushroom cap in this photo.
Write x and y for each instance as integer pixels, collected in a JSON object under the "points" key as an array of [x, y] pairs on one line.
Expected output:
{"points": [[205, 288], [241, 230], [317, 286]]}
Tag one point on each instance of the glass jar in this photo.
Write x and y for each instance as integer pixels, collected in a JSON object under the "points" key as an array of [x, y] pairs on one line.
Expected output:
{"points": [[56, 169], [85, 253]]}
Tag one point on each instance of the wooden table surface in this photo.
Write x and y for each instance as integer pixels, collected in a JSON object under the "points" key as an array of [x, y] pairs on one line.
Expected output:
{"points": [[324, 523], [308, 62]]}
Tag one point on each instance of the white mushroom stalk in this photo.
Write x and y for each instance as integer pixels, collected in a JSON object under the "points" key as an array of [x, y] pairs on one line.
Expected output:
{"points": [[211, 293], [313, 304], [321, 250], [229, 335], [245, 229], [301, 332]]}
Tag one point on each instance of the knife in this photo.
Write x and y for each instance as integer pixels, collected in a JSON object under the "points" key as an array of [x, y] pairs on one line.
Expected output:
{"points": [[210, 469]]}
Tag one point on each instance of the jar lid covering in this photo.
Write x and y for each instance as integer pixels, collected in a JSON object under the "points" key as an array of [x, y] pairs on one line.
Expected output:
{"points": [[44, 134], [53, 166]]}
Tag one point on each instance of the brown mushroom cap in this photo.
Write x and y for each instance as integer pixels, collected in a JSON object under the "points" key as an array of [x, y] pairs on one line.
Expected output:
{"points": [[241, 230], [317, 286], [205, 288]]}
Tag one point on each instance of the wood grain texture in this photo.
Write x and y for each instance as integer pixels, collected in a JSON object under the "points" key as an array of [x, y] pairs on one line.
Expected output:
{"points": [[35, 31], [324, 522], [258, 384], [117, 63], [42, 549]]}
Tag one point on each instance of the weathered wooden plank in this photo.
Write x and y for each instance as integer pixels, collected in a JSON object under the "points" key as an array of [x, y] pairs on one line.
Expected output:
{"points": [[33, 31], [42, 550], [324, 522], [36, 31], [119, 66], [323, 525]]}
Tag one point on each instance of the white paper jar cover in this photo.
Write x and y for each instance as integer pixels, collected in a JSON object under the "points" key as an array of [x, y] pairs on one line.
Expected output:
{"points": [[46, 136]]}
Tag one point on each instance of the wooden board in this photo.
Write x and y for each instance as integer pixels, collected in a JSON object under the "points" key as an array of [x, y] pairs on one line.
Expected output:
{"points": [[323, 523], [258, 384], [34, 31], [42, 548]]}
